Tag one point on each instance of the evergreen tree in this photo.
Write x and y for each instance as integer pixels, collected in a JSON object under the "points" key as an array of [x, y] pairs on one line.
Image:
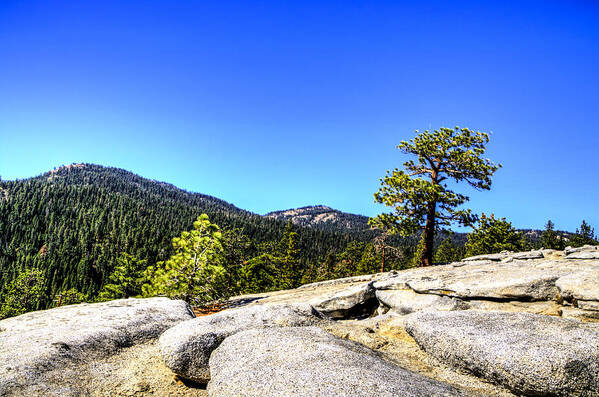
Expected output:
{"points": [[494, 235], [126, 279], [327, 269], [550, 238], [348, 260], [194, 272], [290, 273], [420, 195], [370, 260], [448, 252], [24, 293], [584, 235], [237, 249], [259, 274], [70, 297]]}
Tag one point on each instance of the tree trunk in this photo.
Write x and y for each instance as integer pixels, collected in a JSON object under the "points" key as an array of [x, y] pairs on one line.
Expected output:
{"points": [[429, 235]]}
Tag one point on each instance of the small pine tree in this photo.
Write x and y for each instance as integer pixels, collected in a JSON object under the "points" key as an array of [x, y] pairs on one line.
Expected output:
{"points": [[290, 263], [236, 249], [447, 251], [584, 235], [418, 252], [370, 261], [126, 280], [24, 293], [70, 297], [349, 259], [550, 238], [259, 274], [327, 269], [494, 235], [194, 272]]}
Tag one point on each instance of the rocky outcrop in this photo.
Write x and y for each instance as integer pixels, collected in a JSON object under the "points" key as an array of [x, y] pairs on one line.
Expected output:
{"points": [[406, 301], [308, 361], [35, 343], [573, 253], [544, 276], [186, 348], [488, 325], [530, 354], [356, 301]]}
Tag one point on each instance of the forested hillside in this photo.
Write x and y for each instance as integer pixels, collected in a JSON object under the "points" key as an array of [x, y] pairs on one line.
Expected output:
{"points": [[73, 223]]}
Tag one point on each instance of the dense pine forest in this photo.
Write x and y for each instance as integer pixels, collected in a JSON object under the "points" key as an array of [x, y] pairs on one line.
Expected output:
{"points": [[74, 222]]}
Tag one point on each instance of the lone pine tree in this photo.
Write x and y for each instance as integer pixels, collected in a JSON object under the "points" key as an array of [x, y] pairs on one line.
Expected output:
{"points": [[550, 238], [419, 194], [194, 272]]}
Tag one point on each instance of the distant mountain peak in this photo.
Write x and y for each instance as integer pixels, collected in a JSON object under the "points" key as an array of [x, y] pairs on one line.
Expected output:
{"points": [[322, 217]]}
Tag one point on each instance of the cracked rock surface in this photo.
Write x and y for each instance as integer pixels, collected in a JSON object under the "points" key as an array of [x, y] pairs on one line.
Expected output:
{"points": [[308, 361], [186, 347], [528, 353], [493, 325], [36, 343]]}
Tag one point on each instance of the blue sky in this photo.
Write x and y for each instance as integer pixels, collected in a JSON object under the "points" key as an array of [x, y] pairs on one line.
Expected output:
{"points": [[272, 105]]}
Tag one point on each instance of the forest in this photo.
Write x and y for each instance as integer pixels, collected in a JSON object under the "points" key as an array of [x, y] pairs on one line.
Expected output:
{"points": [[74, 223], [85, 232]]}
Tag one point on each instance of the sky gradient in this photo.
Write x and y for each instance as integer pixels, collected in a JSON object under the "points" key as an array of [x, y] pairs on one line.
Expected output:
{"points": [[271, 106]]}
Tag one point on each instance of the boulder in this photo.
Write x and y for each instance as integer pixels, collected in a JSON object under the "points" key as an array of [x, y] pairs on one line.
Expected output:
{"points": [[186, 348], [308, 361], [583, 255], [528, 255], [580, 285], [527, 280], [34, 343], [407, 301], [591, 248], [527, 353], [488, 257], [354, 302]]}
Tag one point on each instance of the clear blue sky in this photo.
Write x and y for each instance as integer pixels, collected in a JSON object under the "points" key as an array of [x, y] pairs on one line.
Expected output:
{"points": [[270, 105]]}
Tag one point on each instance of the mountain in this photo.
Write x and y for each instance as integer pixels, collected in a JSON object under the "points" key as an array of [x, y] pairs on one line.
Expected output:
{"points": [[324, 218], [74, 221]]}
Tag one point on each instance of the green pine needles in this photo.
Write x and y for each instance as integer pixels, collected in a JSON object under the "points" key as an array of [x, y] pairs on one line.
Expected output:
{"points": [[419, 194], [494, 235], [195, 271]]}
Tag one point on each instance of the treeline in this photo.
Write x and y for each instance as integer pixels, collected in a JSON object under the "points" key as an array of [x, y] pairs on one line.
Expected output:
{"points": [[208, 264], [74, 223]]}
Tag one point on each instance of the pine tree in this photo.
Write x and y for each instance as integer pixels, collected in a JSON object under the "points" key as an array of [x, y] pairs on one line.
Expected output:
{"points": [[348, 260], [194, 272], [550, 238], [237, 249], [259, 274], [126, 280], [370, 260], [327, 269], [494, 235], [290, 259], [584, 235], [70, 297], [447, 251], [420, 196], [24, 293]]}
